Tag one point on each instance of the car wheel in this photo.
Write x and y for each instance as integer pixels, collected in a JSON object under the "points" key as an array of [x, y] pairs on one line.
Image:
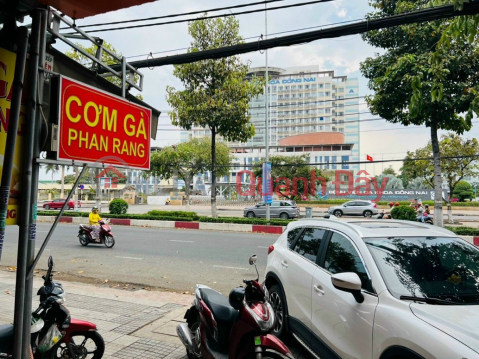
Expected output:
{"points": [[368, 214], [278, 302], [250, 215], [284, 215], [47, 207], [338, 213]]}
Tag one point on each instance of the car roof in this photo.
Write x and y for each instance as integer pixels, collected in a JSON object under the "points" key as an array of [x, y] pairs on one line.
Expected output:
{"points": [[376, 228]]}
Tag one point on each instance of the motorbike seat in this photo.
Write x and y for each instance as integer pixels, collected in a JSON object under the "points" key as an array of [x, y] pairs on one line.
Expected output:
{"points": [[6, 338], [219, 305]]}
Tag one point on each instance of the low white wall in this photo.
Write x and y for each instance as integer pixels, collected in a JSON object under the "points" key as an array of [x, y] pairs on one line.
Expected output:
{"points": [[157, 200]]}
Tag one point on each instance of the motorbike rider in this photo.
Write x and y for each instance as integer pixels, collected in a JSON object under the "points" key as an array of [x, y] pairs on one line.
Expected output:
{"points": [[420, 213], [94, 218]]}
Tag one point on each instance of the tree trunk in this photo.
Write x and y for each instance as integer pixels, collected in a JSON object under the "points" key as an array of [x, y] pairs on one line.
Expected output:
{"points": [[62, 187], [438, 217], [188, 180], [213, 173], [450, 219]]}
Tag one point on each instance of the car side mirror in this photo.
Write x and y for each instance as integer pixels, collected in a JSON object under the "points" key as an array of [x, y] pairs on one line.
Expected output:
{"points": [[350, 283], [345, 205]]}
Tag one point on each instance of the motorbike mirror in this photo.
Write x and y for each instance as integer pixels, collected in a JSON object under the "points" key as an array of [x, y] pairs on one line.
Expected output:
{"points": [[252, 260], [50, 262]]}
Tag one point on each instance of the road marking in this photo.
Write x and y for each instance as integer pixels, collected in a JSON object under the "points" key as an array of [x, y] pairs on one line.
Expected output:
{"points": [[129, 258], [178, 240], [226, 267], [263, 247]]}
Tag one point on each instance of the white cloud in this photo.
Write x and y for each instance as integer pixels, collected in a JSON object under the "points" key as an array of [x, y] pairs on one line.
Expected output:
{"points": [[342, 13]]}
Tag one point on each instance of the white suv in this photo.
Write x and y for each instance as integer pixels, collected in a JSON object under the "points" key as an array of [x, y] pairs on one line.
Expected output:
{"points": [[375, 289]]}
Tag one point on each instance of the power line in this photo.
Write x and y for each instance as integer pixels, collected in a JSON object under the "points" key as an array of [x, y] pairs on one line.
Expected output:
{"points": [[259, 163], [255, 37], [178, 15], [306, 103], [418, 16], [208, 17]]}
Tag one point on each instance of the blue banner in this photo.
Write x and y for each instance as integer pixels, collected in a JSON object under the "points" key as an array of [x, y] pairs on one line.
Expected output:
{"points": [[267, 184]]}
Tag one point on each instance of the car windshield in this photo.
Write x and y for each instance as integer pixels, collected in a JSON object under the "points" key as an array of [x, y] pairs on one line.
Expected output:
{"points": [[431, 267]]}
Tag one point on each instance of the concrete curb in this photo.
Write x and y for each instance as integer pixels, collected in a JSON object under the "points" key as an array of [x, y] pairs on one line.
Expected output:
{"points": [[208, 226]]}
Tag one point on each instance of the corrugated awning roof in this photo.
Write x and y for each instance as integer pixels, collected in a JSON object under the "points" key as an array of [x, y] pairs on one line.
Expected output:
{"points": [[79, 9]]}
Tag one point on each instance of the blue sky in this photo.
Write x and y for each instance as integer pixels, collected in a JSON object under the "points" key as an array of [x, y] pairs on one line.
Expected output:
{"points": [[343, 55]]}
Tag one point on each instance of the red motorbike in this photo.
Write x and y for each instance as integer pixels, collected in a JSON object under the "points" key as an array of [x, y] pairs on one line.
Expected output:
{"points": [[106, 236], [79, 339], [241, 327]]}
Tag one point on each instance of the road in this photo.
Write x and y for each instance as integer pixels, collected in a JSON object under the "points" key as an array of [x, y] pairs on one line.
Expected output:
{"points": [[172, 259], [459, 215]]}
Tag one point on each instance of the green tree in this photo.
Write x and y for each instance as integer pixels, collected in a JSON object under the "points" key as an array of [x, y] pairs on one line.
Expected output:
{"points": [[287, 168], [409, 90], [389, 171], [463, 162], [189, 159], [215, 95], [463, 191], [392, 183], [52, 168], [106, 58]]}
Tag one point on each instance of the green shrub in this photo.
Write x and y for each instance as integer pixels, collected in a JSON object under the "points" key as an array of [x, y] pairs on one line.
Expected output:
{"points": [[118, 206], [171, 213], [404, 212], [464, 231]]}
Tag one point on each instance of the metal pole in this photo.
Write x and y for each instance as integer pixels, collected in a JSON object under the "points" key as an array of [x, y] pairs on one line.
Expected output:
{"points": [[55, 223], [268, 216], [21, 344], [123, 76], [98, 190], [17, 87], [34, 188]]}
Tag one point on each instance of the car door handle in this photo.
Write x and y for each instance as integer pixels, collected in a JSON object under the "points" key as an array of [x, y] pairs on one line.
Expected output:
{"points": [[318, 289], [284, 264]]}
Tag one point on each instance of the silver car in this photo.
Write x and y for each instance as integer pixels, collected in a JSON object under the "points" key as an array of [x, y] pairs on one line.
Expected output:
{"points": [[279, 209], [355, 208]]}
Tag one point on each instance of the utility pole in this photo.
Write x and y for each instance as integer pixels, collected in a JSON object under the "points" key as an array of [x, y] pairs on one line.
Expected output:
{"points": [[268, 207]]}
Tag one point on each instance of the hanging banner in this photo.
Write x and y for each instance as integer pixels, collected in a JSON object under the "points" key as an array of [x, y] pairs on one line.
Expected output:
{"points": [[267, 184], [7, 71], [96, 126]]}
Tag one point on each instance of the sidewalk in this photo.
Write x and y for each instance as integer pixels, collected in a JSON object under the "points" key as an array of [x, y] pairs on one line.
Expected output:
{"points": [[134, 324]]}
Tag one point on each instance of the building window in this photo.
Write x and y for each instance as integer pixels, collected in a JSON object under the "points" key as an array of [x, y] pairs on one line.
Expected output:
{"points": [[326, 159], [300, 87], [345, 159], [306, 87], [334, 160]]}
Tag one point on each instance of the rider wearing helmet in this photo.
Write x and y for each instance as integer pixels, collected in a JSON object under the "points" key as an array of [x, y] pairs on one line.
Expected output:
{"points": [[94, 218]]}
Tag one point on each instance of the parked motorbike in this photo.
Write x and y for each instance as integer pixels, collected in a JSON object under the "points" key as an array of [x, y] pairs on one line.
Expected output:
{"points": [[79, 339], [236, 328], [106, 235], [6, 337]]}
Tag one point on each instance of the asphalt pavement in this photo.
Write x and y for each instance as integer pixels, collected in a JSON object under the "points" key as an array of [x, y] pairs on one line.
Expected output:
{"points": [[237, 211], [165, 258]]}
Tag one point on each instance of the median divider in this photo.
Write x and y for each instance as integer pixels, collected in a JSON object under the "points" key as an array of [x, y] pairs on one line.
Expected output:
{"points": [[208, 226]]}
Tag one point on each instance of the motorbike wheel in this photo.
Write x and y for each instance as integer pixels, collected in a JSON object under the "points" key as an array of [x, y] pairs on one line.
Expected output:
{"points": [[83, 241], [88, 345], [109, 241]]}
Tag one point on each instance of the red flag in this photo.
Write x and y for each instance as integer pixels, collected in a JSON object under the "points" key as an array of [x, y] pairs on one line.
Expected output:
{"points": [[369, 158]]}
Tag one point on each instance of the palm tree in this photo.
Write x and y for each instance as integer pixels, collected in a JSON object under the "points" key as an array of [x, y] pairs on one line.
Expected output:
{"points": [[52, 168], [62, 188]]}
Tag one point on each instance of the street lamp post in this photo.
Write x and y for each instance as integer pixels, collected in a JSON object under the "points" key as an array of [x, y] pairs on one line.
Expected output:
{"points": [[267, 110]]}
